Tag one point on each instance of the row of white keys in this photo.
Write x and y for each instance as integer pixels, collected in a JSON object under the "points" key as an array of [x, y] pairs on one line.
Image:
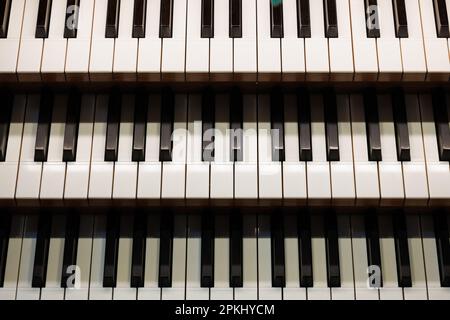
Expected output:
{"points": [[9, 168], [197, 48], [316, 47], [245, 49], [221, 46]]}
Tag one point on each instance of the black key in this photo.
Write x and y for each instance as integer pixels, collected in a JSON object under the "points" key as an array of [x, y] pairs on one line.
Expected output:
{"points": [[207, 24], [41, 253], [236, 251], [43, 18], [140, 127], [331, 126], [208, 120], [276, 19], [111, 250], [5, 10], [304, 250], [207, 249], [441, 124], [167, 114], [277, 246], [165, 250], [332, 250], [442, 246], [139, 16], [71, 130], [401, 250], [70, 248], [400, 21], [303, 19], [330, 19], [277, 125], [112, 19], [72, 14], [372, 126], [43, 129], [138, 255], [5, 229], [401, 126], [304, 125], [373, 241], [113, 127], [166, 19], [441, 18], [235, 18], [236, 115], [372, 21], [5, 120]]}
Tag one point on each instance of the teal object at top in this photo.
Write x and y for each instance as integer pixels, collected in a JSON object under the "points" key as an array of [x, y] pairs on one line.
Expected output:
{"points": [[276, 2]]}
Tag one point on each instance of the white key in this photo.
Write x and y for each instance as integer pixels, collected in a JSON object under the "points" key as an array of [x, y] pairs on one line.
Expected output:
{"points": [[389, 169], [79, 48], [197, 172], [390, 289], [54, 50], [364, 48], [320, 290], [414, 171], [125, 46], [221, 183], [173, 49], [197, 48], [316, 47], [342, 174], [30, 54], [221, 46], [221, 289], [29, 176], [151, 291], [53, 290], [173, 173], [102, 49], [269, 55], [249, 290], [366, 173], [9, 47], [340, 49], [418, 291], [96, 289], [436, 49], [149, 172], [123, 290], [318, 170], [244, 49], [101, 178], [435, 291], [176, 292], [292, 47], [438, 171], [125, 171], [8, 168], [24, 289], [269, 173], [8, 291], [265, 289], [347, 289], [84, 254], [54, 170], [246, 172], [149, 48], [193, 261], [292, 291], [360, 264], [388, 46], [77, 173]]}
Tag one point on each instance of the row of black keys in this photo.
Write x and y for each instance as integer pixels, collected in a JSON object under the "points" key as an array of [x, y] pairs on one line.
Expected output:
{"points": [[236, 250], [235, 19]]}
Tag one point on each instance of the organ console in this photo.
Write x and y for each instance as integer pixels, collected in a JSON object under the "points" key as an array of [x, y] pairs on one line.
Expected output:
{"points": [[224, 149]]}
